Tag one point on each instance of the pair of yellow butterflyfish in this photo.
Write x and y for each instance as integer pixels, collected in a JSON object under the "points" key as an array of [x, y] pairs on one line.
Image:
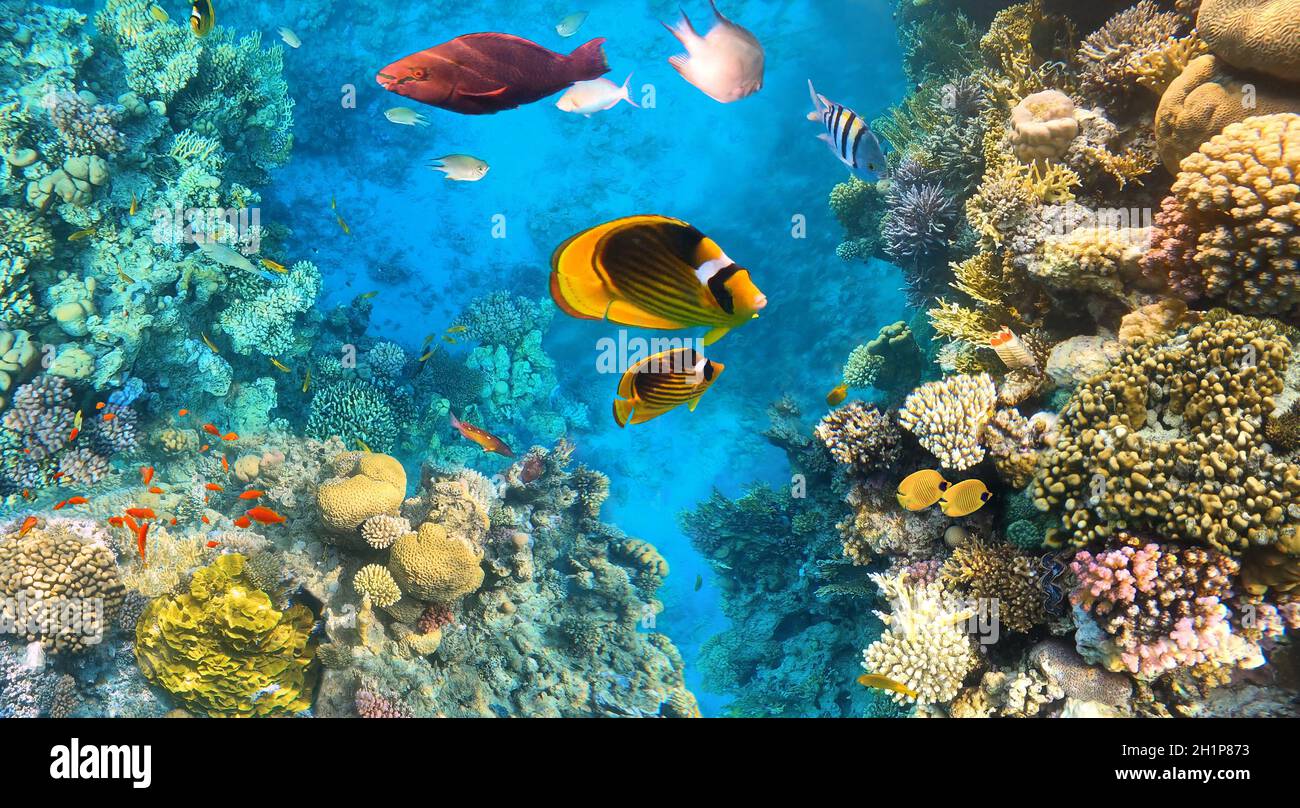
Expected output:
{"points": [[660, 273]]}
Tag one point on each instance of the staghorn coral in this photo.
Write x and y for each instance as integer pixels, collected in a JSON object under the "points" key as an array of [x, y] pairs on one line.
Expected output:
{"points": [[1162, 606], [223, 649], [1259, 35], [948, 416], [998, 574], [1169, 441], [925, 645], [861, 436]]}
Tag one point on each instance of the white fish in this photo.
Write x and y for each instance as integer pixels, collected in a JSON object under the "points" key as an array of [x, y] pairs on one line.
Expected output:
{"points": [[726, 64], [569, 26], [461, 167], [228, 257], [290, 38], [405, 116], [589, 97]]}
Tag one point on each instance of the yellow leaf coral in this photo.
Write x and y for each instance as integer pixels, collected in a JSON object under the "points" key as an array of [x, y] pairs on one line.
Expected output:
{"points": [[223, 649]]}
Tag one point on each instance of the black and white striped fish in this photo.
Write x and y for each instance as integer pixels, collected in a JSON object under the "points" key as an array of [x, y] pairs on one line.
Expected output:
{"points": [[849, 137]]}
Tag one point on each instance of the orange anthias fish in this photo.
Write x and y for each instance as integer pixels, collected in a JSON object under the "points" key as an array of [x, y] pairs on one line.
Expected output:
{"points": [[77, 500], [28, 523], [214, 487], [155, 490], [141, 513], [182, 413], [230, 436], [116, 521], [243, 522], [130, 524], [489, 442], [211, 429], [252, 494], [265, 516], [141, 536], [146, 475], [61, 505], [99, 405], [212, 544], [225, 464], [110, 416], [205, 520]]}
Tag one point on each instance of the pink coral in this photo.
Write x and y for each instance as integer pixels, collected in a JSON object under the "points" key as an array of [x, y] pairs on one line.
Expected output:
{"points": [[1170, 264], [1164, 606], [371, 704]]}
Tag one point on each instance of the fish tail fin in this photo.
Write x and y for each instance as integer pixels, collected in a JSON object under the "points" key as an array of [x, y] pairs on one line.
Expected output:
{"points": [[589, 60], [622, 411], [455, 424], [627, 91], [716, 334], [683, 30]]}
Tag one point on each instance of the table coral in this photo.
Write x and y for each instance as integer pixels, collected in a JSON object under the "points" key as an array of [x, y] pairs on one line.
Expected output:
{"points": [[948, 416], [59, 585], [223, 648], [1169, 441], [925, 645]]}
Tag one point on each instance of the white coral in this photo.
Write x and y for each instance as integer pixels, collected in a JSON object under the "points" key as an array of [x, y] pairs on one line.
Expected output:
{"points": [[948, 416], [925, 645]]}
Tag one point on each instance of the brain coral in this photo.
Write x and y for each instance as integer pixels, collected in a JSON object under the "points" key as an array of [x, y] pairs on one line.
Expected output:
{"points": [[948, 416], [1206, 97], [925, 645], [1261, 35], [223, 649], [377, 485], [50, 577], [1239, 195], [1169, 441], [1043, 126], [433, 566]]}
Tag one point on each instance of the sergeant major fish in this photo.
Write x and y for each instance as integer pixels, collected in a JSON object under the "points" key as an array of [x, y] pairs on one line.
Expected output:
{"points": [[849, 137]]}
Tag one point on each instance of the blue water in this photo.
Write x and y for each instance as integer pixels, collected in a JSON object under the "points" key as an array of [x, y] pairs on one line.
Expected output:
{"points": [[740, 172]]}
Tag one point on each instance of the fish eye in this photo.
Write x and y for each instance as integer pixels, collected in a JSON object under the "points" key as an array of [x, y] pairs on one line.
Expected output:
{"points": [[708, 371], [420, 73]]}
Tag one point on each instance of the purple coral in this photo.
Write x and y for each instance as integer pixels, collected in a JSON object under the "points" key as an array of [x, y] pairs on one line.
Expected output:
{"points": [[919, 223], [1171, 262], [82, 466], [1164, 606], [41, 416], [86, 128], [372, 704]]}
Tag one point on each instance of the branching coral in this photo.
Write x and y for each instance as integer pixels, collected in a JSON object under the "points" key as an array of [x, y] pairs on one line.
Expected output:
{"points": [[948, 416], [354, 411], [1114, 56], [1162, 606], [1169, 441], [861, 436], [999, 575], [925, 645]]}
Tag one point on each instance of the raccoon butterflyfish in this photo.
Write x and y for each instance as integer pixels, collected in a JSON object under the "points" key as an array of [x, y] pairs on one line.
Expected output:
{"points": [[653, 272], [921, 490], [879, 682], [489, 442], [663, 382], [202, 17], [964, 498]]}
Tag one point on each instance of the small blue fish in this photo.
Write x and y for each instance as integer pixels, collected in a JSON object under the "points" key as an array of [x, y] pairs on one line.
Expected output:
{"points": [[266, 691], [849, 137]]}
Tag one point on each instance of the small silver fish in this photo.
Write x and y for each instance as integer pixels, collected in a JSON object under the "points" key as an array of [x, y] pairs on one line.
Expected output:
{"points": [[405, 116], [461, 167], [569, 26], [290, 38]]}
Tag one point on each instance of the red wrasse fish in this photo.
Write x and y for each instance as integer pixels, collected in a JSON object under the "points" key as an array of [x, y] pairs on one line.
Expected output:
{"points": [[489, 442], [482, 74], [265, 516]]}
